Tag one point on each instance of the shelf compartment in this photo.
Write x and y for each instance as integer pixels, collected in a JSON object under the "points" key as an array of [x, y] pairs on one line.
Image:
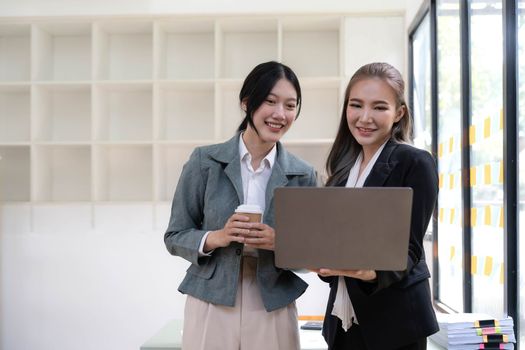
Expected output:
{"points": [[15, 113], [311, 46], [124, 50], [62, 51], [186, 111], [228, 105], [61, 173], [15, 165], [379, 47], [123, 112], [185, 50], [62, 112], [123, 172], [320, 112], [246, 43], [170, 160], [15, 49]]}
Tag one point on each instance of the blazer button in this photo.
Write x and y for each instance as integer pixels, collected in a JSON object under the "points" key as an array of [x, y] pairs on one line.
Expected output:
{"points": [[238, 251]]}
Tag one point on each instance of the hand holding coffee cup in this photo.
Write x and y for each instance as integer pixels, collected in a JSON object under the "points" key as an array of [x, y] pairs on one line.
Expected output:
{"points": [[235, 229], [254, 213], [260, 236]]}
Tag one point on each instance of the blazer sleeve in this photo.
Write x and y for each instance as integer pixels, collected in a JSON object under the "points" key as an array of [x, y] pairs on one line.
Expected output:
{"points": [[422, 177], [184, 233]]}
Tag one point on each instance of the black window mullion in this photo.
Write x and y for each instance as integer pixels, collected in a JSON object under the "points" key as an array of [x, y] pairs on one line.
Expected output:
{"points": [[510, 156], [466, 108], [434, 115]]}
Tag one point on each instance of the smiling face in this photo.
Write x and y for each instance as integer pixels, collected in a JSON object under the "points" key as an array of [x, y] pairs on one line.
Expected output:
{"points": [[371, 112], [275, 115]]}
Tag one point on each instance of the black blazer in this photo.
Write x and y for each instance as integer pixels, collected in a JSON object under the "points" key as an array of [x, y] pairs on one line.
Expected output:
{"points": [[395, 310]]}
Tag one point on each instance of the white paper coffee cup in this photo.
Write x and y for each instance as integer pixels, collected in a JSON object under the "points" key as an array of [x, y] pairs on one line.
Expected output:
{"points": [[253, 211]]}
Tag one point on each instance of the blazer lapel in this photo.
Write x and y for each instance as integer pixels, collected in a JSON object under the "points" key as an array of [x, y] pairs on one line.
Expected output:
{"points": [[277, 179], [382, 168], [228, 154], [233, 172]]}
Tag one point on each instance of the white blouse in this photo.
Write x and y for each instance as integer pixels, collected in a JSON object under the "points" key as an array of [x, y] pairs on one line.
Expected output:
{"points": [[343, 307]]}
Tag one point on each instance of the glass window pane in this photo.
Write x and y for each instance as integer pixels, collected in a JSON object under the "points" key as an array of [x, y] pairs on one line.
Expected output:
{"points": [[450, 239], [521, 161], [421, 86], [486, 157]]}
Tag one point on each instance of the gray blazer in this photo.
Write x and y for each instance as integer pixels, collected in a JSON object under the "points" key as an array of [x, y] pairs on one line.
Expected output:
{"points": [[209, 190]]}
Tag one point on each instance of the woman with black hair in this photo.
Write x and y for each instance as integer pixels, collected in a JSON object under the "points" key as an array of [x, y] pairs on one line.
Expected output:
{"points": [[236, 297]]}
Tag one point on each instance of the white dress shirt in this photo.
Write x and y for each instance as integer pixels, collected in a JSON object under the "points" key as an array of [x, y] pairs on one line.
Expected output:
{"points": [[254, 184], [343, 307]]}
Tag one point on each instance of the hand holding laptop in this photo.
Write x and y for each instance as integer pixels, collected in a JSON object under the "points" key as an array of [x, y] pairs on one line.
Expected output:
{"points": [[364, 275]]}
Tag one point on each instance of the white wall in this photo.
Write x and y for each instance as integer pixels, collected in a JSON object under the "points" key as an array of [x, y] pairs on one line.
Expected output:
{"points": [[69, 287], [412, 8], [64, 286], [85, 290]]}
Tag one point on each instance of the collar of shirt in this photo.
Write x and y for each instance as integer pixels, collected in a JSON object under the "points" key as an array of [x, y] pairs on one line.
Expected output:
{"points": [[354, 180], [246, 157]]}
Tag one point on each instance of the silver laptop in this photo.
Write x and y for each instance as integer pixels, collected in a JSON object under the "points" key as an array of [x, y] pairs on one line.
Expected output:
{"points": [[342, 228]]}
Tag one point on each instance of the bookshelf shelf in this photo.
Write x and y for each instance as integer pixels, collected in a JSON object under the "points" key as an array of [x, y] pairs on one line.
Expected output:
{"points": [[15, 173], [15, 49], [61, 173], [102, 110], [62, 112], [15, 113], [61, 51]]}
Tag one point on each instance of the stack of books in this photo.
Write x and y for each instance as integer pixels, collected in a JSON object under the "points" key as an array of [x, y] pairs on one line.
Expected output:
{"points": [[467, 331]]}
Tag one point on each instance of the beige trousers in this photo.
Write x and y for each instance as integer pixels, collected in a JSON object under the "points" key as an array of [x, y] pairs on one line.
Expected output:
{"points": [[246, 326]]}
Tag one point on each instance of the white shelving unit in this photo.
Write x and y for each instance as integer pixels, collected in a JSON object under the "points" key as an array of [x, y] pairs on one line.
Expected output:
{"points": [[61, 51], [174, 60], [15, 46], [229, 113], [321, 37], [244, 43], [123, 112], [319, 117], [171, 158], [123, 50], [185, 111], [61, 113], [123, 172], [15, 170], [61, 173], [102, 114], [15, 113]]}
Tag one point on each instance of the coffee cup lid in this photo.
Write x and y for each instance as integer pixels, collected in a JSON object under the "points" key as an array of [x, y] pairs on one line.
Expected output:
{"points": [[248, 208]]}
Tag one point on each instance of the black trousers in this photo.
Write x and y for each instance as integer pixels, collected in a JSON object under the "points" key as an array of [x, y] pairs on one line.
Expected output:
{"points": [[353, 340]]}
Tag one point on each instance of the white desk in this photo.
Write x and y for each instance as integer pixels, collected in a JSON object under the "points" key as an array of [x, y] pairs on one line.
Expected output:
{"points": [[169, 337]]}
